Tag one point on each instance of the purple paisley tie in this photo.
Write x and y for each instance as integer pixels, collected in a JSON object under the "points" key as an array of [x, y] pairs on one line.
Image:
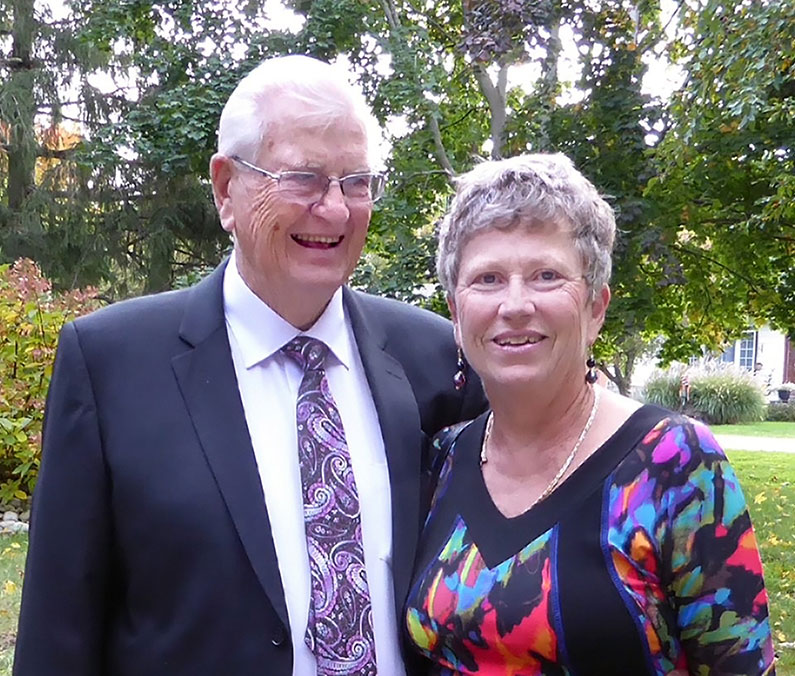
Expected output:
{"points": [[339, 628]]}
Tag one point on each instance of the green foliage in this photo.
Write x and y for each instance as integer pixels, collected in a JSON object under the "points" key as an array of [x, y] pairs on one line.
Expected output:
{"points": [[703, 183], [717, 395], [778, 411], [125, 204], [725, 171], [31, 316]]}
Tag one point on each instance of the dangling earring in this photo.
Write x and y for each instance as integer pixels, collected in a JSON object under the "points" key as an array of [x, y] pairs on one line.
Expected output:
{"points": [[460, 377], [590, 374]]}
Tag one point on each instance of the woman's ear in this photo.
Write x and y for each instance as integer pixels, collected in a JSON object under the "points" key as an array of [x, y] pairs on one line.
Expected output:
{"points": [[599, 307], [454, 317]]}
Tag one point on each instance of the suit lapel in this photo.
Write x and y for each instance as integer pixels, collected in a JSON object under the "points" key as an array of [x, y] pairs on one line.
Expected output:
{"points": [[401, 430], [206, 378]]}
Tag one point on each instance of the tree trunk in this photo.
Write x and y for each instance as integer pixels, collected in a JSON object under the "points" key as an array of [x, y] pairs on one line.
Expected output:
{"points": [[19, 109]]}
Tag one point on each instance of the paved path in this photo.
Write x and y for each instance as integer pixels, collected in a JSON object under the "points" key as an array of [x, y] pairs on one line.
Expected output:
{"points": [[731, 442]]}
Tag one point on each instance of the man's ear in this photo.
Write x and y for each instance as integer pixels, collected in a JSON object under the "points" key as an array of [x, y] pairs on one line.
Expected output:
{"points": [[221, 177]]}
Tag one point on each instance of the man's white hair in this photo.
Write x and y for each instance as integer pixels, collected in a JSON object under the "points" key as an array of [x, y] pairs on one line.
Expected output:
{"points": [[319, 91]]}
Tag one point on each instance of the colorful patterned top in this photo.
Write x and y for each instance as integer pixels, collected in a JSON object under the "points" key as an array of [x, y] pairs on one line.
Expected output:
{"points": [[643, 561]]}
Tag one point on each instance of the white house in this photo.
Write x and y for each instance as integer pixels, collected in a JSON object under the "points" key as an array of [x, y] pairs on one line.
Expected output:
{"points": [[764, 351]]}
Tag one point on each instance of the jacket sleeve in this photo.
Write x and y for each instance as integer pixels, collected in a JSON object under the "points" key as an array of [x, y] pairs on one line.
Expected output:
{"points": [[65, 592]]}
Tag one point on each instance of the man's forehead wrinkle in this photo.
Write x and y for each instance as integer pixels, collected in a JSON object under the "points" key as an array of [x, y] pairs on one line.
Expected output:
{"points": [[287, 147]]}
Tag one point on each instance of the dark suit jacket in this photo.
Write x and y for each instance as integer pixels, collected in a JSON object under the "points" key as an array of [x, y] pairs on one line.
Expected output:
{"points": [[150, 550]]}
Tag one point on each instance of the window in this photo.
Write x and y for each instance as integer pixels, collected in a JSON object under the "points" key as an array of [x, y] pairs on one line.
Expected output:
{"points": [[748, 350]]}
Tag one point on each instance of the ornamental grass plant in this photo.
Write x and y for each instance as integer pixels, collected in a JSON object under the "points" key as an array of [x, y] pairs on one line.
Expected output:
{"points": [[718, 394]]}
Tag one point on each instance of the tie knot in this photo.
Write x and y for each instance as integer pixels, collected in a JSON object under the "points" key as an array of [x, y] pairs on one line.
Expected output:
{"points": [[309, 353]]}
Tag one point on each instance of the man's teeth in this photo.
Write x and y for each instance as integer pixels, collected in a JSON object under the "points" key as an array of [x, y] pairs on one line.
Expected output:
{"points": [[519, 340], [318, 238]]}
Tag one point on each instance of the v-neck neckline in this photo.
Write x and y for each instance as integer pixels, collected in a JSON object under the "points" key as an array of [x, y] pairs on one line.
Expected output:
{"points": [[499, 537]]}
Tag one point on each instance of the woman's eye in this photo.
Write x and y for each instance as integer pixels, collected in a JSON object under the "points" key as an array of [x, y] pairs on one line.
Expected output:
{"points": [[548, 275], [487, 278]]}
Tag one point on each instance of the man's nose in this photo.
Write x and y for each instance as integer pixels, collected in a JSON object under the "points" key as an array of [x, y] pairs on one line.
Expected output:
{"points": [[332, 205]]}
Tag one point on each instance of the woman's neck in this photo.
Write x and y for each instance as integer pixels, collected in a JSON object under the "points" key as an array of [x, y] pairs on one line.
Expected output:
{"points": [[533, 427]]}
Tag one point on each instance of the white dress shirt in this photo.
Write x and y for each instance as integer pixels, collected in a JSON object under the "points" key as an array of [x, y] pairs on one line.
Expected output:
{"points": [[268, 382]]}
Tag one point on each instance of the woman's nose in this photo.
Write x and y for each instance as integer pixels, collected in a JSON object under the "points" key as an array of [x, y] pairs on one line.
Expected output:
{"points": [[517, 299]]}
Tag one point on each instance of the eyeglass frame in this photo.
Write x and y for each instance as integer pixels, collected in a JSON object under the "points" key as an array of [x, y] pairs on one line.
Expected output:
{"points": [[277, 176]]}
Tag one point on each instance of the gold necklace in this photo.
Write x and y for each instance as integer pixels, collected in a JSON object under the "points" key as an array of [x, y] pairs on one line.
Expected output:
{"points": [[556, 479]]}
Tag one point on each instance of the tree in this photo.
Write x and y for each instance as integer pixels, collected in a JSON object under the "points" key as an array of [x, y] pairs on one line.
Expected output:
{"points": [[702, 184], [669, 293], [726, 172], [458, 106], [128, 207]]}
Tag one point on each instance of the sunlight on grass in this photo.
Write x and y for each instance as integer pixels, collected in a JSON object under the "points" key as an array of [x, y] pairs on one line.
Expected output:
{"points": [[784, 430], [768, 480], [12, 561]]}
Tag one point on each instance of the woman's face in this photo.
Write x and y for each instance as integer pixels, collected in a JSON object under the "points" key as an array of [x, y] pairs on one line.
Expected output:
{"points": [[522, 309]]}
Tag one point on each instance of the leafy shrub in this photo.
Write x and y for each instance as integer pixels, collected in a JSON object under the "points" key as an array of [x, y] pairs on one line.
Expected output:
{"points": [[31, 315], [778, 411], [718, 395]]}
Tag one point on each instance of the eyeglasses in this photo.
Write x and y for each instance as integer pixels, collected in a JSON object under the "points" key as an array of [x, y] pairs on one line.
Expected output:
{"points": [[310, 186]]}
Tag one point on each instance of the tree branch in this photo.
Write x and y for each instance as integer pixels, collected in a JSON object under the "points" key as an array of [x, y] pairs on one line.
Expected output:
{"points": [[391, 15], [700, 254], [449, 125], [496, 101], [441, 153]]}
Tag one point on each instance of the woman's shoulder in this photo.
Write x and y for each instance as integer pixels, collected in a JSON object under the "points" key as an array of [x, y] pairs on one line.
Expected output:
{"points": [[659, 426], [445, 438], [677, 432]]}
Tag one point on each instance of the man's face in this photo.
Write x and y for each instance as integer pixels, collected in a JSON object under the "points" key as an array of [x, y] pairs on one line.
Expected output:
{"points": [[294, 255]]}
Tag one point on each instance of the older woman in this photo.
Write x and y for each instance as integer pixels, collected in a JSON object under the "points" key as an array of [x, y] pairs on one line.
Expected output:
{"points": [[573, 531]]}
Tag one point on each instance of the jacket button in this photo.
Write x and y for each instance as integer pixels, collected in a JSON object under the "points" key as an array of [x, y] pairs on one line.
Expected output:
{"points": [[279, 636]]}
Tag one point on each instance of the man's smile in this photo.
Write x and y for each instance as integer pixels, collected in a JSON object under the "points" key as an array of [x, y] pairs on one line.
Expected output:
{"points": [[318, 241]]}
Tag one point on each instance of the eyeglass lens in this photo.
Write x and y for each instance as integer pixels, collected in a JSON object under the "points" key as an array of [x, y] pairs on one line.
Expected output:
{"points": [[310, 184]]}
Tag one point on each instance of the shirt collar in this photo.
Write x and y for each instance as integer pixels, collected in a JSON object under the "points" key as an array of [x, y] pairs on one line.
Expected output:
{"points": [[260, 332]]}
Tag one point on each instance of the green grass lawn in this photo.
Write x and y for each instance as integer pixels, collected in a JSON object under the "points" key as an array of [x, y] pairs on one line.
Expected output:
{"points": [[784, 430], [768, 480], [12, 560]]}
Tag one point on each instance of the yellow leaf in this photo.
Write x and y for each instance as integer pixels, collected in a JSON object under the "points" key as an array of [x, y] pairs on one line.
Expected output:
{"points": [[20, 494], [15, 545], [9, 587], [760, 498], [780, 636]]}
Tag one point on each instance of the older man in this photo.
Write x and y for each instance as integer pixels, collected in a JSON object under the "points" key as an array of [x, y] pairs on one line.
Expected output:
{"points": [[231, 475]]}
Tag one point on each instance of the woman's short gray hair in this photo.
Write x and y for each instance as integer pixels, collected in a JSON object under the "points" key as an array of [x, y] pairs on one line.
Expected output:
{"points": [[524, 190], [320, 91]]}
